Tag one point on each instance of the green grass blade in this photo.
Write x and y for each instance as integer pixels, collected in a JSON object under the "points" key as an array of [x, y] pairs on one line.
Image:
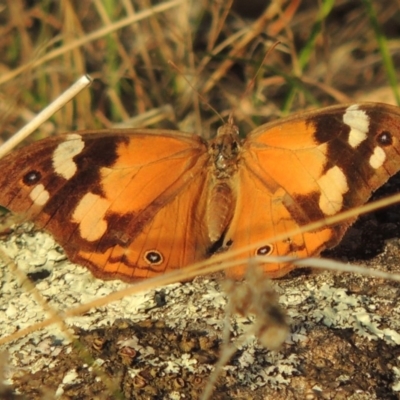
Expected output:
{"points": [[384, 49]]}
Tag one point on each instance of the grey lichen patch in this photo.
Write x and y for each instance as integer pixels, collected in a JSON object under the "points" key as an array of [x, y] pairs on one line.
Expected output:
{"points": [[343, 341], [67, 286]]}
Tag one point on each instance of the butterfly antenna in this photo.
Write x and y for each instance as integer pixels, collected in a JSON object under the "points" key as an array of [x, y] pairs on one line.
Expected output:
{"points": [[252, 81], [202, 98]]}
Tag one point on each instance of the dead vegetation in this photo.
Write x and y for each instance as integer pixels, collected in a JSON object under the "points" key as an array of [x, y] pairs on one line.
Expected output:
{"points": [[327, 54]]}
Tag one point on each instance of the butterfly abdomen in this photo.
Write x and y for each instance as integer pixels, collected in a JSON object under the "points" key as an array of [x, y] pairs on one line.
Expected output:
{"points": [[220, 209]]}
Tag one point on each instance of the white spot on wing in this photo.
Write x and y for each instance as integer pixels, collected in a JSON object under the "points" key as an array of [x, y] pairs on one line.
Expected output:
{"points": [[358, 121], [378, 158], [333, 185], [63, 162], [89, 214], [39, 195]]}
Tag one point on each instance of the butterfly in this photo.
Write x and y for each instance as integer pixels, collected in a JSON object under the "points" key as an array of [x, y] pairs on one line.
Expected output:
{"points": [[131, 204]]}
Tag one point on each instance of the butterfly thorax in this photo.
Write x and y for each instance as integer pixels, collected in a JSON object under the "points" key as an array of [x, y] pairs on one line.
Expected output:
{"points": [[224, 150]]}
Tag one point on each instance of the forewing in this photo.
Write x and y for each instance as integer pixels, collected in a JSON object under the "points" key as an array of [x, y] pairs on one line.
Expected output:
{"points": [[101, 192]]}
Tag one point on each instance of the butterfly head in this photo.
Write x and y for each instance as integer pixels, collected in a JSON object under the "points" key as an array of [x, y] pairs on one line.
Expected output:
{"points": [[228, 129]]}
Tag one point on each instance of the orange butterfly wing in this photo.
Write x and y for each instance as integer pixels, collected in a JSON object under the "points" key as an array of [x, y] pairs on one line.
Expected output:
{"points": [[126, 203], [305, 168], [170, 239]]}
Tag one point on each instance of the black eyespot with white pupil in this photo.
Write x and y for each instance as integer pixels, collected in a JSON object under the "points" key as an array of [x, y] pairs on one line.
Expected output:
{"points": [[31, 178], [385, 138], [264, 250], [153, 257]]}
